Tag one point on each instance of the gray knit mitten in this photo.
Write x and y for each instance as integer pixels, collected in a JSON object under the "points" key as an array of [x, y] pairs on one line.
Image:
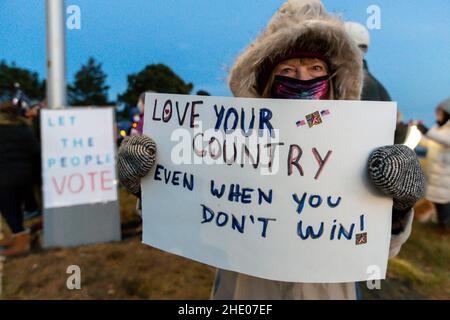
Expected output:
{"points": [[136, 157], [396, 171]]}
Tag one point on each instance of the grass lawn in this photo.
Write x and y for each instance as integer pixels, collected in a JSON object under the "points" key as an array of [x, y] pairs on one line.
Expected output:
{"points": [[131, 270], [420, 271]]}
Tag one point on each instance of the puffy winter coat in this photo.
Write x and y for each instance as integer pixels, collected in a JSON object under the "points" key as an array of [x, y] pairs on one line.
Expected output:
{"points": [[437, 142]]}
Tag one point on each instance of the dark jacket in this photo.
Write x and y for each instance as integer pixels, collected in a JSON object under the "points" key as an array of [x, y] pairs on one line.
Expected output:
{"points": [[19, 152], [372, 89]]}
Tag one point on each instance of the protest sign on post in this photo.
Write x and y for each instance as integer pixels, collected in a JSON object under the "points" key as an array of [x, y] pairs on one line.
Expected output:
{"points": [[79, 176], [276, 189], [78, 157]]}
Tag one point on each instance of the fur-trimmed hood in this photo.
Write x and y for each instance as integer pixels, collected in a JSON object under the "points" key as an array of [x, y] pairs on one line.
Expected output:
{"points": [[300, 26]]}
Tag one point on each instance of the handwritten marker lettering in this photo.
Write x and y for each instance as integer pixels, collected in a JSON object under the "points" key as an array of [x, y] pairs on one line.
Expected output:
{"points": [[78, 158]]}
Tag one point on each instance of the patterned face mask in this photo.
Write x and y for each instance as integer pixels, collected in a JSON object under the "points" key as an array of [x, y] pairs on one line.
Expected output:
{"points": [[291, 88]]}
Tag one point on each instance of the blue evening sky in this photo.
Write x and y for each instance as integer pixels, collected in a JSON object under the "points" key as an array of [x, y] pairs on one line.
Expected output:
{"points": [[199, 39]]}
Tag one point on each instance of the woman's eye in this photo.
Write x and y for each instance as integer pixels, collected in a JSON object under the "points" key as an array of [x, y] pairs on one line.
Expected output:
{"points": [[286, 70], [317, 68]]}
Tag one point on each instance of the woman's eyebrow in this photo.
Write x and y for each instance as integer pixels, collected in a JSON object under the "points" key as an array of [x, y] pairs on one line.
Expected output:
{"points": [[284, 64], [281, 68]]}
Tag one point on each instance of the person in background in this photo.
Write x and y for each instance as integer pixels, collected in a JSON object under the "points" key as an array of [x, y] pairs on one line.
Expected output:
{"points": [[372, 89], [33, 202], [437, 142], [19, 153]]}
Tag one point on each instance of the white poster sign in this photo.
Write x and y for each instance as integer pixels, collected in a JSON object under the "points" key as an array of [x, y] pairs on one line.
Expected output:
{"points": [[78, 156], [276, 189]]}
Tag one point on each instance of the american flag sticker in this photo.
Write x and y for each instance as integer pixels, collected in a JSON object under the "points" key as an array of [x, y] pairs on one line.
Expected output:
{"points": [[300, 123], [361, 238], [324, 112]]}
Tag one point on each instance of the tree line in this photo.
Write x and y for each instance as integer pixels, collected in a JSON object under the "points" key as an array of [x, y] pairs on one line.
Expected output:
{"points": [[89, 86]]}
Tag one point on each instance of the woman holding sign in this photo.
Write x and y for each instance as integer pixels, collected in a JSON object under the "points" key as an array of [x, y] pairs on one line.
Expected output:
{"points": [[304, 54]]}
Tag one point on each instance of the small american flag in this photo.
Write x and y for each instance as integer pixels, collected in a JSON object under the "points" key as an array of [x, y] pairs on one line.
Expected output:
{"points": [[325, 112], [301, 123]]}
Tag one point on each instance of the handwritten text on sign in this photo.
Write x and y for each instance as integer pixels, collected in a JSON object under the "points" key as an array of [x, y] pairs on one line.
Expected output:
{"points": [[276, 189], [78, 157]]}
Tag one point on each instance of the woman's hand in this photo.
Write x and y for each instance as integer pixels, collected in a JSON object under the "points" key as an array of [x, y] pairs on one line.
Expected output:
{"points": [[396, 171], [136, 157]]}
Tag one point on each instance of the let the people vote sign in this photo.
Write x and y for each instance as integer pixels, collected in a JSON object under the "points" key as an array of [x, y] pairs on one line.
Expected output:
{"points": [[276, 189], [78, 156]]}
